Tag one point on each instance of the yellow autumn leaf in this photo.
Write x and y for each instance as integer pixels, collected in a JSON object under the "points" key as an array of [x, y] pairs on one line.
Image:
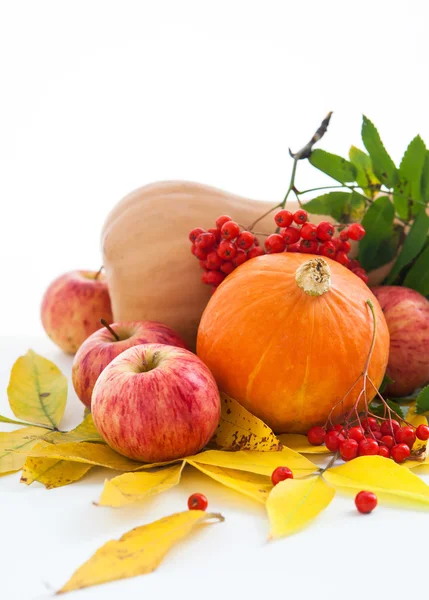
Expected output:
{"points": [[37, 390], [51, 472], [238, 429], [138, 552], [84, 432], [384, 477], [13, 442], [136, 487], [419, 450], [300, 444], [250, 484], [293, 503], [262, 463]]}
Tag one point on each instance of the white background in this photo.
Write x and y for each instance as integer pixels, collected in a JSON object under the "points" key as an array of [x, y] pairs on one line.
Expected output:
{"points": [[100, 97]]}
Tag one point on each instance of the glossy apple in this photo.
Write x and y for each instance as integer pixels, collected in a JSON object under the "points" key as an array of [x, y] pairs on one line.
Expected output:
{"points": [[154, 403], [106, 344], [72, 308]]}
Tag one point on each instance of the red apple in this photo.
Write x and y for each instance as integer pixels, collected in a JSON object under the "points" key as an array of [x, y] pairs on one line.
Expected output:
{"points": [[407, 316], [72, 308], [154, 403], [106, 344]]}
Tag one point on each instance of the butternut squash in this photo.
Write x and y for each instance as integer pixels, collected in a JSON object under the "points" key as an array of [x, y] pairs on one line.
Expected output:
{"points": [[149, 267]]}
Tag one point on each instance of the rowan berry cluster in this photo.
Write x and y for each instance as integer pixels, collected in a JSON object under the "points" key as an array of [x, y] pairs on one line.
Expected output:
{"points": [[371, 437]]}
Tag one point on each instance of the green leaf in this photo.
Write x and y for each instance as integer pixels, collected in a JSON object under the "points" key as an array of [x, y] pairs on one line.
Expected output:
{"points": [[422, 402], [365, 175], [386, 381], [384, 167], [378, 408], [425, 179], [335, 204], [418, 276], [336, 167], [408, 185], [37, 390], [378, 246], [413, 244], [357, 206]]}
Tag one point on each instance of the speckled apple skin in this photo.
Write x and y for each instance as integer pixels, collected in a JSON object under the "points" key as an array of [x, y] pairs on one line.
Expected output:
{"points": [[168, 412], [407, 316], [72, 308], [101, 348]]}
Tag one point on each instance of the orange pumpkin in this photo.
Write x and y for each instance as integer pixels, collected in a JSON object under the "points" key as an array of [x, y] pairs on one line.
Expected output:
{"points": [[287, 335]]}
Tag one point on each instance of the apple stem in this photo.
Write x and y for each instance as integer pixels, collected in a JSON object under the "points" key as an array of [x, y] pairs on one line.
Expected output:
{"points": [[97, 275], [107, 326]]}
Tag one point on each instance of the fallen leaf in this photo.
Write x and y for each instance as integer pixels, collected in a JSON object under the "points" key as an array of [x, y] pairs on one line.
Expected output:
{"points": [[420, 446], [138, 552], [293, 503], [300, 443], [382, 476], [136, 487], [13, 442], [250, 484], [51, 472], [84, 432], [37, 390], [15, 421], [238, 429], [262, 463]]}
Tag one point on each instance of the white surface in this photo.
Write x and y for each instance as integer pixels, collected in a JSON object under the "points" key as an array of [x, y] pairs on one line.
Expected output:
{"points": [[101, 97]]}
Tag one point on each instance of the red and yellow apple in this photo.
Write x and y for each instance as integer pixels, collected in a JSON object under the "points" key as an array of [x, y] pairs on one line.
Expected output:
{"points": [[106, 344], [73, 306], [155, 403], [407, 317]]}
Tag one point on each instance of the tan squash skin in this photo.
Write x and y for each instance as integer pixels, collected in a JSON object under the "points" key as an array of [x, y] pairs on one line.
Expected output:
{"points": [[150, 270]]}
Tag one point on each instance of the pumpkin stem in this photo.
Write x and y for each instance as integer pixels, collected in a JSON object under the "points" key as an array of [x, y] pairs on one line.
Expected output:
{"points": [[314, 277]]}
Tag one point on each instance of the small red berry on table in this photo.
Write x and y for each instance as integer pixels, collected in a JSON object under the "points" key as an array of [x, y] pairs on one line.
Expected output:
{"points": [[294, 247], [283, 218], [254, 252], [308, 246], [205, 241], [422, 432], [290, 235], [345, 247], [388, 441], [356, 231], [400, 452], [325, 231], [316, 435], [405, 435], [309, 231], [275, 243], [195, 233], [344, 235], [356, 433], [197, 502], [239, 258], [280, 474], [327, 249], [342, 258], [220, 221], [213, 261], [227, 267], [370, 423], [333, 440], [384, 451], [389, 427], [245, 240], [349, 449], [199, 252], [213, 277], [368, 447], [227, 250], [215, 232], [230, 230], [300, 216], [365, 502]]}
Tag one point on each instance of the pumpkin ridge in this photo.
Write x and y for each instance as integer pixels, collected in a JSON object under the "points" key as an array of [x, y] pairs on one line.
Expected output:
{"points": [[302, 393]]}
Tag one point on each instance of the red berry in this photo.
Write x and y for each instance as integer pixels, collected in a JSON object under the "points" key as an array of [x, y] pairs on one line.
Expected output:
{"points": [[325, 231], [345, 247], [370, 423], [388, 441], [349, 449], [227, 267], [406, 435], [309, 231], [216, 233], [195, 233], [376, 434], [197, 502], [366, 502], [333, 439], [342, 258], [199, 252], [368, 447], [308, 246], [275, 243], [300, 216], [280, 474], [213, 261], [239, 258], [422, 432], [356, 231], [336, 428], [344, 235], [227, 250], [400, 452], [245, 240], [291, 235], [336, 243], [283, 218], [316, 435], [327, 249], [389, 427], [356, 433], [220, 221], [361, 274], [254, 252], [205, 241], [230, 230], [203, 264], [354, 264], [294, 247], [213, 277], [384, 451]]}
